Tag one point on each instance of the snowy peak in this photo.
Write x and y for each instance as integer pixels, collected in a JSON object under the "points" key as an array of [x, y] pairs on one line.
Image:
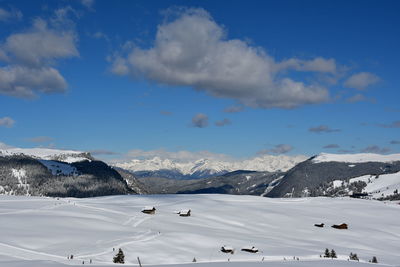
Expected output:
{"points": [[356, 158], [68, 156], [203, 167]]}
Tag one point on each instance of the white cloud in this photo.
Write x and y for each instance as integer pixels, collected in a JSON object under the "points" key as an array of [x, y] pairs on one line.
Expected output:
{"points": [[7, 15], [278, 149], [361, 80], [323, 129], [318, 64], [223, 122], [376, 149], [193, 51], [40, 139], [23, 82], [200, 120], [6, 122], [30, 56], [87, 3], [234, 109], [40, 45]]}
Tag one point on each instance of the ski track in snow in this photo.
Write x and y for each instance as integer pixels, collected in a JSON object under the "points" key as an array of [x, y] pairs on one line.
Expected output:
{"points": [[216, 220]]}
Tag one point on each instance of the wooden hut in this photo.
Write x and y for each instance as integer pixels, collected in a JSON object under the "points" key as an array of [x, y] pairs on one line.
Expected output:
{"points": [[185, 213], [250, 249], [227, 249], [149, 210], [340, 226]]}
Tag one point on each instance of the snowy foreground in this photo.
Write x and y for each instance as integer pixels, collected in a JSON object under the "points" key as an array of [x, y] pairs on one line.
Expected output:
{"points": [[42, 232]]}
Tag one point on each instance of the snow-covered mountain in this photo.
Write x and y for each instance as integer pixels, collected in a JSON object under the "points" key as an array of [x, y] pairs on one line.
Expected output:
{"points": [[324, 174], [52, 172], [207, 167], [68, 156], [356, 158]]}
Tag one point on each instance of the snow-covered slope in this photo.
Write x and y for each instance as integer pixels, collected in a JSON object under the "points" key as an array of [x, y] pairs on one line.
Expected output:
{"points": [[356, 158], [68, 156], [380, 185], [212, 167], [34, 230]]}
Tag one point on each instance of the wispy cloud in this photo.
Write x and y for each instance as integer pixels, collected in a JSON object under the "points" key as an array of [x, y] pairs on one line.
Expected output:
{"points": [[11, 14], [277, 149], [97, 152], [323, 129], [200, 120], [361, 80], [7, 122], [223, 122], [395, 142], [88, 3], [40, 139], [360, 98], [376, 149], [234, 109], [331, 146], [395, 124], [166, 113]]}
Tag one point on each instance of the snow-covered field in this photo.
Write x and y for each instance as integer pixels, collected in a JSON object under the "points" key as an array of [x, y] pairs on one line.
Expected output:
{"points": [[44, 231]]}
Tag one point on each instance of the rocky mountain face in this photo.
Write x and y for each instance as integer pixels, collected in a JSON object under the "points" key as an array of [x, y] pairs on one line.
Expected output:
{"points": [[47, 172]]}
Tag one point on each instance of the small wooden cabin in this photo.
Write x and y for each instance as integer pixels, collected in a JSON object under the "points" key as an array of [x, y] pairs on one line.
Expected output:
{"points": [[227, 249], [359, 195], [149, 210], [250, 249], [340, 226], [185, 213]]}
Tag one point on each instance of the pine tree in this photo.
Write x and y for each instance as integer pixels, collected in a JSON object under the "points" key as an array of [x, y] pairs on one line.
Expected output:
{"points": [[119, 257], [327, 254], [374, 260], [333, 254], [353, 257]]}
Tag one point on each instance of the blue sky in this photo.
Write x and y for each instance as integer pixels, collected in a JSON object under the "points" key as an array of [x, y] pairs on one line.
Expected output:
{"points": [[148, 76]]}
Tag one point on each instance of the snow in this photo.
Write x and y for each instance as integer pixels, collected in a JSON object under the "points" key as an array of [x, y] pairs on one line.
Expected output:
{"points": [[271, 185], [259, 263], [19, 174], [58, 168], [384, 185], [68, 156], [337, 183], [356, 158], [262, 163], [41, 232]]}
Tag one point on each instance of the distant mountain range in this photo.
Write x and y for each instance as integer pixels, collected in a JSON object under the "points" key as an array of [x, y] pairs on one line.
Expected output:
{"points": [[203, 168], [50, 172], [321, 175]]}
